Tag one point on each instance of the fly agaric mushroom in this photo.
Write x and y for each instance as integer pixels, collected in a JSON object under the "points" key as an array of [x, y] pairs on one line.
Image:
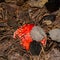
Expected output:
{"points": [[32, 37]]}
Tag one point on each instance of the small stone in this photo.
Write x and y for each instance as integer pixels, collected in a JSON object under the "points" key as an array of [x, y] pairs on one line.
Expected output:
{"points": [[55, 34]]}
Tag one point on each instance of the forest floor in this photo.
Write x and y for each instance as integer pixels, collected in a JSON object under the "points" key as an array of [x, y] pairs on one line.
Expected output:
{"points": [[12, 16]]}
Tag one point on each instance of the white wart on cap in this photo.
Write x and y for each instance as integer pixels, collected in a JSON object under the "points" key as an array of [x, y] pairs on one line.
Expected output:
{"points": [[37, 33]]}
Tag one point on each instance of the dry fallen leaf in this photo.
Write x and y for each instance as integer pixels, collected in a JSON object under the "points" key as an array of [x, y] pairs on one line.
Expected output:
{"points": [[38, 3]]}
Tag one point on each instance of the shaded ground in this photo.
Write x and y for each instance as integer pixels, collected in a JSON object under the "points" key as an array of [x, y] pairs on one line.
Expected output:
{"points": [[14, 14]]}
